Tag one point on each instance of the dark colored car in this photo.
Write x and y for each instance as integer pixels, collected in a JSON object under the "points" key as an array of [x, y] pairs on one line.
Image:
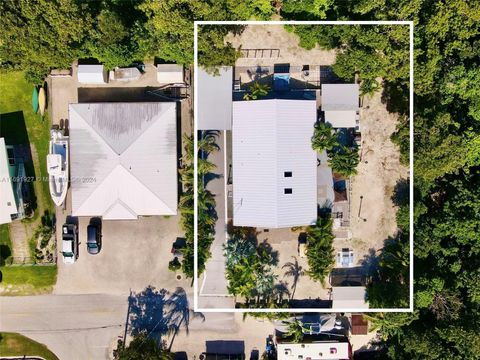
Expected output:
{"points": [[94, 238]]}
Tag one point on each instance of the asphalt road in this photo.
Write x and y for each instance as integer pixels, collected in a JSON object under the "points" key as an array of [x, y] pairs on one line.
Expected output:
{"points": [[74, 327]]}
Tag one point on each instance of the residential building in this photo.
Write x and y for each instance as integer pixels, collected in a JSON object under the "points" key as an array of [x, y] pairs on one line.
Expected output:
{"points": [[340, 104], [274, 166], [12, 176], [91, 74], [123, 159], [214, 98], [170, 74]]}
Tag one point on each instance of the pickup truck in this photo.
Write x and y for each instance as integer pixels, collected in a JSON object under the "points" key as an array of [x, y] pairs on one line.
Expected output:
{"points": [[69, 243]]}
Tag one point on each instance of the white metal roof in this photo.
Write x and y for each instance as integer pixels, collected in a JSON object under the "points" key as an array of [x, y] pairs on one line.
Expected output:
{"points": [[129, 150], [340, 97], [8, 206], [215, 99], [340, 102], [325, 193], [315, 351], [341, 119], [170, 74], [269, 138], [348, 297], [91, 74]]}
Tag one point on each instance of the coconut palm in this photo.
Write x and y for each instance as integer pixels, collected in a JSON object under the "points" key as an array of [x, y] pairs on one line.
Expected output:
{"points": [[344, 160], [295, 330], [264, 284], [295, 271], [256, 90], [320, 253], [323, 138]]}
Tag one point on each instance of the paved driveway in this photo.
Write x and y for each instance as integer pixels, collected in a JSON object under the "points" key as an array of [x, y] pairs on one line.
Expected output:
{"points": [[135, 254]]}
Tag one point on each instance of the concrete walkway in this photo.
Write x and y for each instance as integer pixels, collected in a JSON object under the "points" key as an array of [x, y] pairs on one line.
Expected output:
{"points": [[19, 237], [214, 281]]}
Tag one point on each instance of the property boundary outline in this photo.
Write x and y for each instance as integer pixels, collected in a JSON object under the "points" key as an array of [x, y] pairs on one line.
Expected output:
{"points": [[411, 172]]}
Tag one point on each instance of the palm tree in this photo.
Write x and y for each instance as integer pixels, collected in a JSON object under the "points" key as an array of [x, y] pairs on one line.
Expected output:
{"points": [[320, 253], [323, 138], [256, 90], [179, 313], [294, 270], [344, 160], [295, 330]]}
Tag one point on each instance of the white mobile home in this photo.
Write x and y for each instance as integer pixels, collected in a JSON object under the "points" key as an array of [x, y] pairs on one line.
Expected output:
{"points": [[274, 166]]}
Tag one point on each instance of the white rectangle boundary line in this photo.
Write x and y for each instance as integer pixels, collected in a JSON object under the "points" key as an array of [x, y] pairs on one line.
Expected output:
{"points": [[195, 164]]}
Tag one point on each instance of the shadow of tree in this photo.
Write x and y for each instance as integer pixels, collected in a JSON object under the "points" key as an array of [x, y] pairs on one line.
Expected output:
{"points": [[147, 313], [267, 253], [178, 313], [159, 313], [401, 192]]}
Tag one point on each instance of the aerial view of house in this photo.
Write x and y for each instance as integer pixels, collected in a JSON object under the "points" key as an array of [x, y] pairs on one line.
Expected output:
{"points": [[294, 176], [178, 183]]}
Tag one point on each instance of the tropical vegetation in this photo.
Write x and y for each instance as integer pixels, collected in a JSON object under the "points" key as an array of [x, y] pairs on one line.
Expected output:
{"points": [[446, 217], [342, 159], [320, 253], [295, 330], [249, 267], [205, 202], [142, 347], [256, 90], [446, 127]]}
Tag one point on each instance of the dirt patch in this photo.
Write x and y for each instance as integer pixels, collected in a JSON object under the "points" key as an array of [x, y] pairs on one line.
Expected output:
{"points": [[276, 37], [373, 216]]}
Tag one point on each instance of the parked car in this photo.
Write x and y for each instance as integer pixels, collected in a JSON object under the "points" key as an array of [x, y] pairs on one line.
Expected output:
{"points": [[69, 243], [94, 237]]}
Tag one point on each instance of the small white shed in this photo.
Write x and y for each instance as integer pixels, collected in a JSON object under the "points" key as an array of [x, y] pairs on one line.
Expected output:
{"points": [[91, 74], [170, 74]]}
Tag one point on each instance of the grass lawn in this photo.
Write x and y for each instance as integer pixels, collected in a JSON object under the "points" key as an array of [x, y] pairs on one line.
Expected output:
{"points": [[5, 243], [13, 344], [27, 279], [21, 125]]}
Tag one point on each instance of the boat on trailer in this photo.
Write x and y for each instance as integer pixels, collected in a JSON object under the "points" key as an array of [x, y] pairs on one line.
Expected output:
{"points": [[57, 165]]}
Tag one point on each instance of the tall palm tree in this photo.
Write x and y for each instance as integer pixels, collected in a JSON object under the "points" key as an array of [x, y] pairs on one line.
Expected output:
{"points": [[256, 90], [320, 253], [294, 270], [323, 138], [344, 160], [179, 313], [295, 330]]}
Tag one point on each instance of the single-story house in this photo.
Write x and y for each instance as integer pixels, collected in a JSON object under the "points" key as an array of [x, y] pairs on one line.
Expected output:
{"points": [[170, 74], [274, 166], [91, 74], [12, 171], [214, 99], [340, 104], [123, 159]]}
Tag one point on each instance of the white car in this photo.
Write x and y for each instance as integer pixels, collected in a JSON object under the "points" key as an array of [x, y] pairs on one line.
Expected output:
{"points": [[69, 243]]}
